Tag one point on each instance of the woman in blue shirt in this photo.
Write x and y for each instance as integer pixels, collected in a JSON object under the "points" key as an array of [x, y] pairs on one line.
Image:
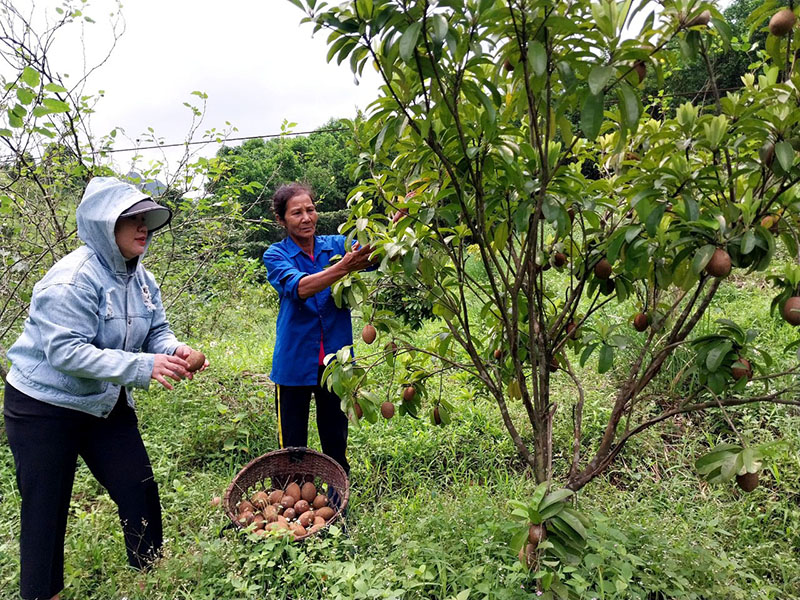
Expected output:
{"points": [[309, 325]]}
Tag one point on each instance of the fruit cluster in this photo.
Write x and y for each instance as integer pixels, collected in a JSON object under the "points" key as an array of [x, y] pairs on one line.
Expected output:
{"points": [[296, 510]]}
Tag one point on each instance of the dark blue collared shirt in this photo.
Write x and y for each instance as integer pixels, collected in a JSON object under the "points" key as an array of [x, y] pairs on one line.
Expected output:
{"points": [[303, 324]]}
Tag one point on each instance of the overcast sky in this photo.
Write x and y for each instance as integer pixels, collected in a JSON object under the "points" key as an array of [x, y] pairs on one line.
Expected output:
{"points": [[255, 61]]}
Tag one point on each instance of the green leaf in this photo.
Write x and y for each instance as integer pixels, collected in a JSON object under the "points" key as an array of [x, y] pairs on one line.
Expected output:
{"points": [[592, 115], [785, 155], [701, 258], [30, 76], [598, 77], [717, 354], [408, 41], [55, 106], [748, 242], [439, 28], [606, 359], [630, 107], [537, 56], [55, 88], [554, 497]]}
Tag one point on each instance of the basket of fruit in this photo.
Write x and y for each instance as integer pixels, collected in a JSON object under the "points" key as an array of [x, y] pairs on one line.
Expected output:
{"points": [[296, 490]]}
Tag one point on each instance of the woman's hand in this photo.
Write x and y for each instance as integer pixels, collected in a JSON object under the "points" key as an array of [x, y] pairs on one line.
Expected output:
{"points": [[173, 367], [184, 352], [357, 259]]}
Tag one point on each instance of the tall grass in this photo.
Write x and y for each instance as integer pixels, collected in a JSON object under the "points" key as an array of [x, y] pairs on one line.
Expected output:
{"points": [[428, 515]]}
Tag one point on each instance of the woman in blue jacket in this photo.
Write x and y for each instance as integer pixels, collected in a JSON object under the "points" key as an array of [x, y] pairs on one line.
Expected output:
{"points": [[95, 330], [309, 325]]}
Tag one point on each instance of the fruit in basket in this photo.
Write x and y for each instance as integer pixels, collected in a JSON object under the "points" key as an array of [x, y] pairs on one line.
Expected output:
{"points": [[245, 505], [289, 514], [308, 492], [275, 496], [293, 490], [319, 501], [259, 520], [301, 506], [318, 520], [246, 517], [259, 499], [326, 513], [271, 513], [306, 519], [288, 501], [298, 530]]}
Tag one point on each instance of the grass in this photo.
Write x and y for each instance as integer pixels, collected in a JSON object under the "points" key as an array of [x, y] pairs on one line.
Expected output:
{"points": [[429, 514]]}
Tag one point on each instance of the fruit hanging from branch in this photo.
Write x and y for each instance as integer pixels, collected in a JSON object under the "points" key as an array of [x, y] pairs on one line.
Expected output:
{"points": [[782, 22], [369, 333], [720, 264]]}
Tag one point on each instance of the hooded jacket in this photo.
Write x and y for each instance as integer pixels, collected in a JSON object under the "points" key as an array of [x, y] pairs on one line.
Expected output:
{"points": [[94, 322]]}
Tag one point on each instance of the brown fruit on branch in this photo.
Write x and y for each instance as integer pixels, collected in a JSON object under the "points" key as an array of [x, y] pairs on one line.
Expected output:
{"points": [[369, 333], [399, 215], [782, 22], [409, 393], [640, 322], [602, 270], [196, 360], [326, 512], [387, 410], [508, 65], [770, 222], [319, 502], [308, 492], [791, 310], [553, 366], [744, 371], [498, 354], [640, 68], [559, 259], [527, 556], [720, 264], [437, 418], [702, 19], [572, 330], [537, 534], [358, 410], [748, 482]]}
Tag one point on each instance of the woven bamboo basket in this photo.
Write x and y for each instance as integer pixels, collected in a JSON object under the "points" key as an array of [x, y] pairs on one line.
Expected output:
{"points": [[277, 469]]}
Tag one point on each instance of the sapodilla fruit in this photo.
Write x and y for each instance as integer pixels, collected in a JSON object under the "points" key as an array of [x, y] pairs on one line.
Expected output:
{"points": [[245, 505], [275, 496], [720, 263], [537, 533], [437, 418], [287, 501], [308, 492], [306, 519], [196, 360], [791, 310], [640, 68], [369, 333], [289, 514], [293, 490], [319, 502], [260, 499], [559, 259], [326, 512], [782, 22], [301, 506], [702, 19], [572, 330], [744, 371], [409, 393], [358, 410], [527, 555], [640, 322], [387, 410], [748, 482], [602, 270]]}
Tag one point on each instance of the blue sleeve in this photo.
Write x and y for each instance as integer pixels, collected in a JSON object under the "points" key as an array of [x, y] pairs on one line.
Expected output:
{"points": [[282, 273]]}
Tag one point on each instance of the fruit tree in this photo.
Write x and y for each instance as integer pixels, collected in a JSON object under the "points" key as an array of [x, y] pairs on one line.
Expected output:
{"points": [[514, 171]]}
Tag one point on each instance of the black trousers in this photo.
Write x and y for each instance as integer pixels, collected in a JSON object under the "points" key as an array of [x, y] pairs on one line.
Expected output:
{"points": [[292, 404], [46, 441]]}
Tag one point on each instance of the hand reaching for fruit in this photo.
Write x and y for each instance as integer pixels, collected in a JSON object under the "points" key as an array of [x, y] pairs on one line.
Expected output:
{"points": [[196, 359]]}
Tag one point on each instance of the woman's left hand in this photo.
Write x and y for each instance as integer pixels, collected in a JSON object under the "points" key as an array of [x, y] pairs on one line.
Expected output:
{"points": [[184, 352]]}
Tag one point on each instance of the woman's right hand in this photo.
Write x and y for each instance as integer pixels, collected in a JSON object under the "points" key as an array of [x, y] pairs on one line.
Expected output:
{"points": [[171, 366], [357, 259]]}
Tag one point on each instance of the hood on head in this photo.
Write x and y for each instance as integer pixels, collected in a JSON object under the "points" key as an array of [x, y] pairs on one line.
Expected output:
{"points": [[104, 200]]}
